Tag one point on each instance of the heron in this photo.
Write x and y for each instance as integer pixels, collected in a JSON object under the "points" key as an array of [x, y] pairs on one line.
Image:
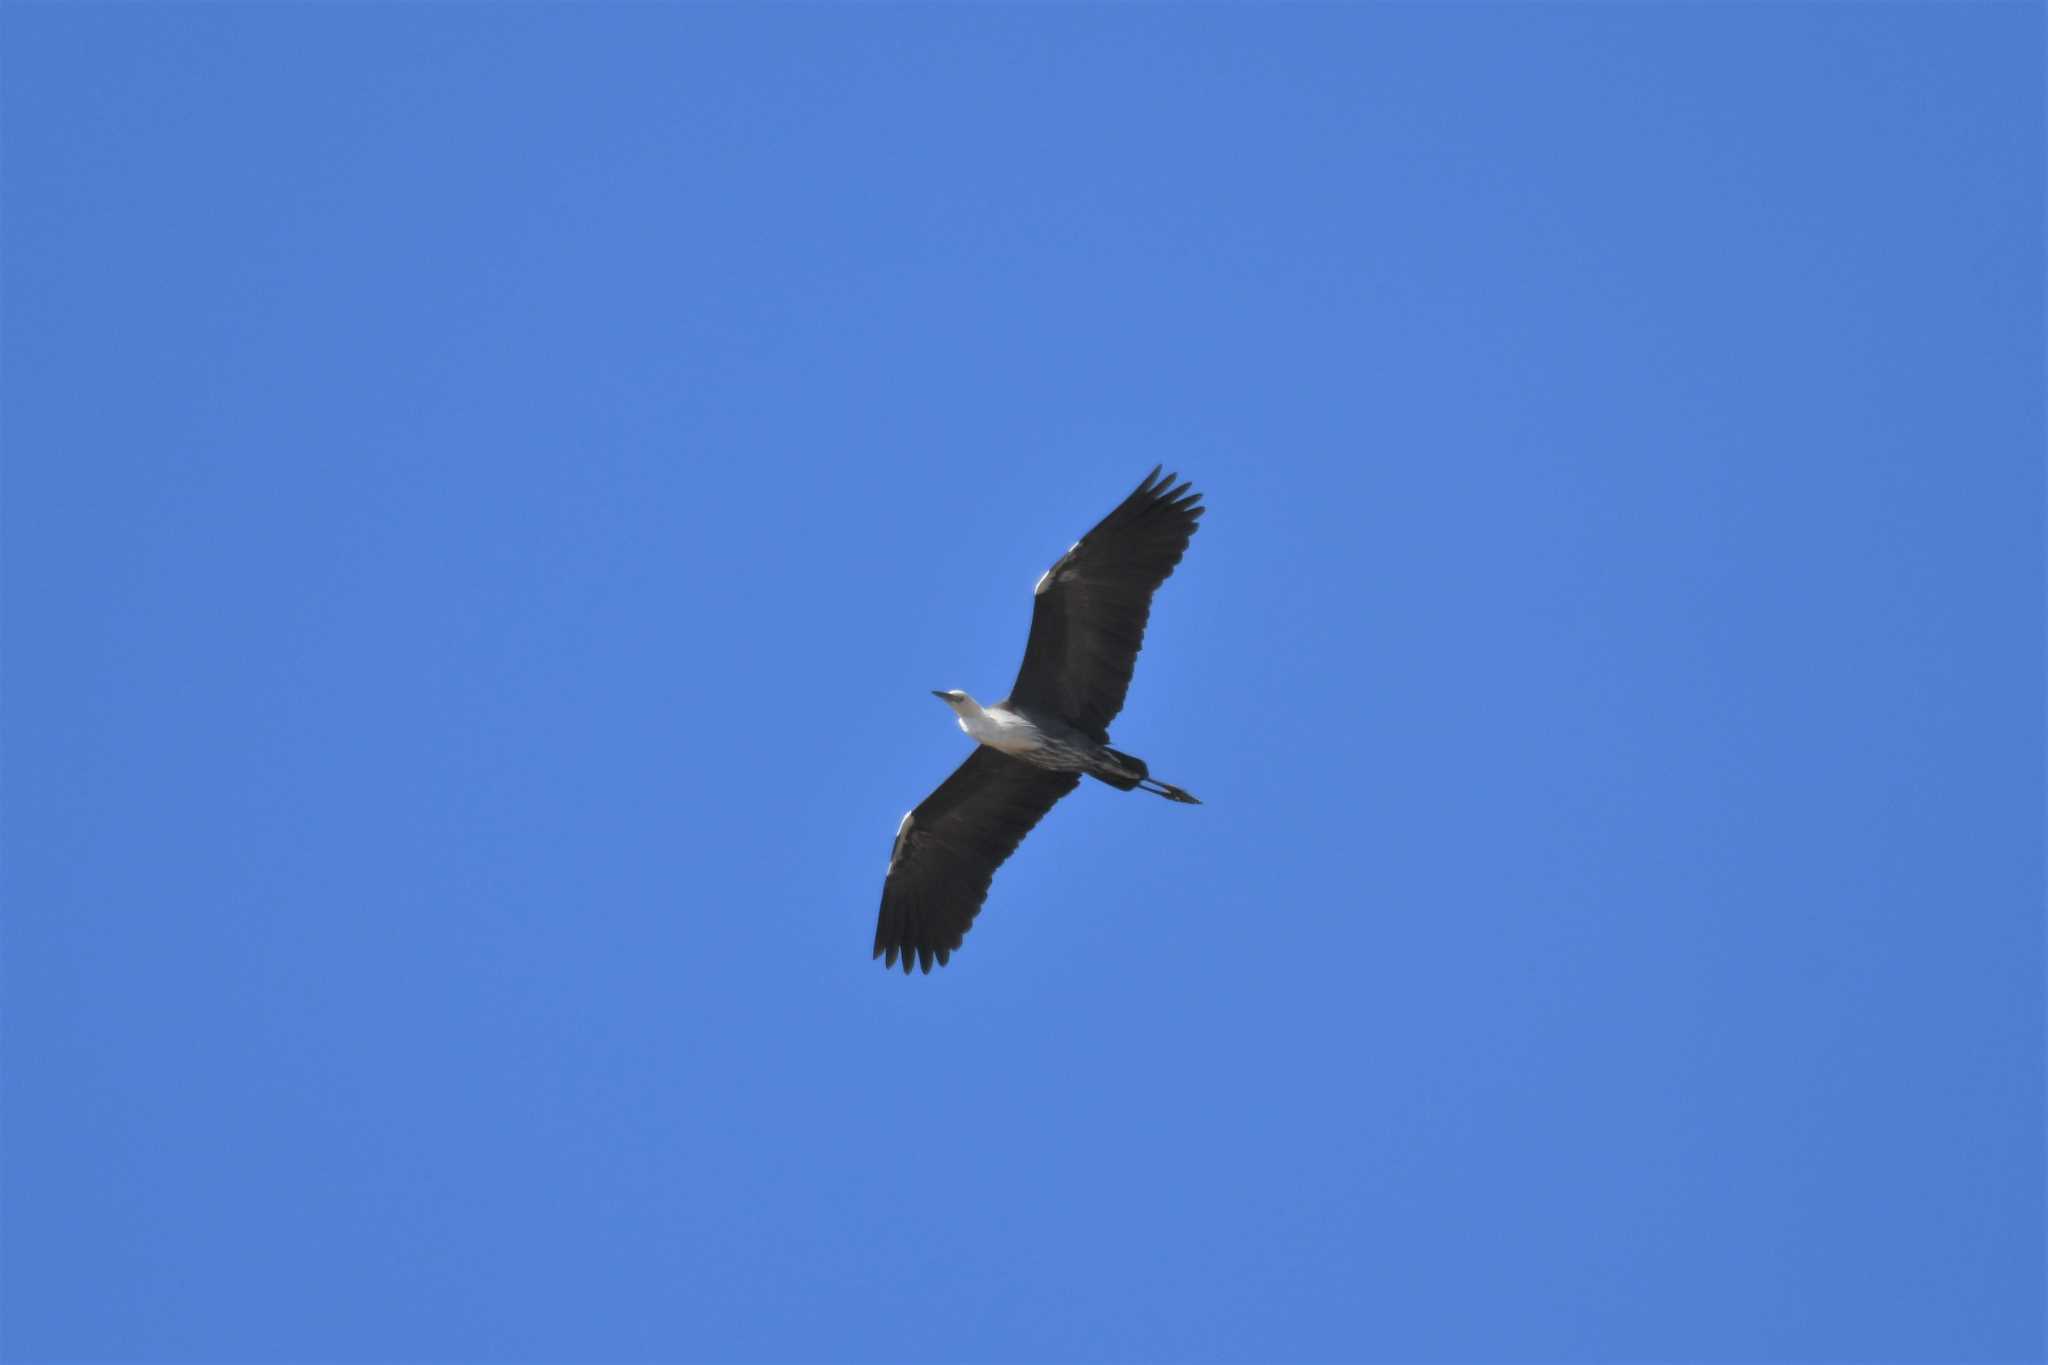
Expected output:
{"points": [[1088, 617]]}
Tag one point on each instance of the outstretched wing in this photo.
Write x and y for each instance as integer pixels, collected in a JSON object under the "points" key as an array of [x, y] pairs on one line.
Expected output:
{"points": [[948, 849], [1088, 622]]}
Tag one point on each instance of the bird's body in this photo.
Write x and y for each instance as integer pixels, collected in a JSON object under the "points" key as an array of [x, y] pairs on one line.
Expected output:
{"points": [[1042, 740], [1087, 626], [1016, 734]]}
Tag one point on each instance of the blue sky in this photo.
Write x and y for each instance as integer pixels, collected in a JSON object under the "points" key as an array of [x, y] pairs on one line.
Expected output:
{"points": [[488, 492]]}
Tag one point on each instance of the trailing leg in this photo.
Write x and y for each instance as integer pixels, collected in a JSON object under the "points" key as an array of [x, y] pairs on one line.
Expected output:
{"points": [[1127, 772], [1169, 791]]}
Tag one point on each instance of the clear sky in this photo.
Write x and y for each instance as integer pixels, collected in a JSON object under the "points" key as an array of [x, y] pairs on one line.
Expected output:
{"points": [[488, 494]]}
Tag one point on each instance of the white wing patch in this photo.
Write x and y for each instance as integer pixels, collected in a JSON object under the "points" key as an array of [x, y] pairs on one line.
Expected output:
{"points": [[896, 849], [1046, 577]]}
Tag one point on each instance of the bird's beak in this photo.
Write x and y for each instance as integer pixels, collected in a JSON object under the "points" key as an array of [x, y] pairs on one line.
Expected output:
{"points": [[942, 696]]}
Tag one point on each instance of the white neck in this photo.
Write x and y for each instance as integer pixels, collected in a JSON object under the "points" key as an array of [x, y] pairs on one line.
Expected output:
{"points": [[972, 718], [999, 729]]}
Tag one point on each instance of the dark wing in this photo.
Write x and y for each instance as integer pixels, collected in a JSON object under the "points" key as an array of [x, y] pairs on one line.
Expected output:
{"points": [[949, 848], [1088, 622]]}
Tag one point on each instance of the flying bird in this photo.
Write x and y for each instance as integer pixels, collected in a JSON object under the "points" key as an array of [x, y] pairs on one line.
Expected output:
{"points": [[1088, 619]]}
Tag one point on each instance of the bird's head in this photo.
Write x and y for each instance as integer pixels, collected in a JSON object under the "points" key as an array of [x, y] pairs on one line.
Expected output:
{"points": [[958, 700]]}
